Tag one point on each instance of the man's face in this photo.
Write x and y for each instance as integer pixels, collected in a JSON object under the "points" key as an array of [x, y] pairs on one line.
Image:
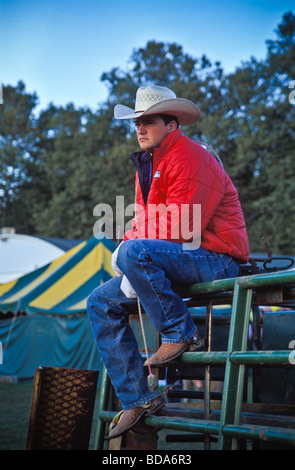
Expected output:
{"points": [[151, 131]]}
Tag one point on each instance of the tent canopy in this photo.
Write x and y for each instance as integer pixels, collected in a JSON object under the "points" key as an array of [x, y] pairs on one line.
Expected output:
{"points": [[55, 330], [22, 254], [62, 286]]}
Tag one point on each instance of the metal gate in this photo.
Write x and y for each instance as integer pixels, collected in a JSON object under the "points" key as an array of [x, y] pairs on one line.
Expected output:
{"points": [[236, 420]]}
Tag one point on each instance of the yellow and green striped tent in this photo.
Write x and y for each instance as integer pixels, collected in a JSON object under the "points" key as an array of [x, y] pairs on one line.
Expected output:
{"points": [[62, 286]]}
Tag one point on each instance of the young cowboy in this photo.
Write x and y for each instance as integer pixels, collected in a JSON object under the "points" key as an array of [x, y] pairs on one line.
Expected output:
{"points": [[164, 247]]}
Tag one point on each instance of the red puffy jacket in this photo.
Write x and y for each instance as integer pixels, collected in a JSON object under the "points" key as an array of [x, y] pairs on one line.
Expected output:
{"points": [[184, 173]]}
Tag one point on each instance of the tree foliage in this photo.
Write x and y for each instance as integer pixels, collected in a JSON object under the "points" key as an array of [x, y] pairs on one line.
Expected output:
{"points": [[57, 166]]}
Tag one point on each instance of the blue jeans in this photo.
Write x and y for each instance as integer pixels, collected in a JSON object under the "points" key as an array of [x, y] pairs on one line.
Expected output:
{"points": [[151, 266]]}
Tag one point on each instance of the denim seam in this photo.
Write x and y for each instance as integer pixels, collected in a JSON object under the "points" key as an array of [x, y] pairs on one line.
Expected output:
{"points": [[131, 377], [217, 255], [223, 269], [160, 302], [119, 349], [155, 289], [111, 302], [188, 336], [212, 256]]}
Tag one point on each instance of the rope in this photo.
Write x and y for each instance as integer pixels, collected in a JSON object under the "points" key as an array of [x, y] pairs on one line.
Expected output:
{"points": [[152, 380], [143, 334]]}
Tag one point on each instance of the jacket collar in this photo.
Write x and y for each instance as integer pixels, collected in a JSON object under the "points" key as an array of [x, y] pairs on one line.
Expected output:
{"points": [[166, 145], [159, 152]]}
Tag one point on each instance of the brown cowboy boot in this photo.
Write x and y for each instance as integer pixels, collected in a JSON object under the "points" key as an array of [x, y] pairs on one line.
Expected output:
{"points": [[169, 351], [129, 418]]}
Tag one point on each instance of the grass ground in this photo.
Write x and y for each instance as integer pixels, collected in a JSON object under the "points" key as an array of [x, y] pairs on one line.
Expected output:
{"points": [[15, 405]]}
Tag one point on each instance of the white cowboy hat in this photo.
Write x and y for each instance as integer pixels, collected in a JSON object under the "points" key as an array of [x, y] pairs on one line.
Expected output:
{"points": [[159, 100]]}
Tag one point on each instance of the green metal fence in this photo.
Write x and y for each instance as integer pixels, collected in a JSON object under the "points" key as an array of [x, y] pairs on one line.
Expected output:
{"points": [[228, 428]]}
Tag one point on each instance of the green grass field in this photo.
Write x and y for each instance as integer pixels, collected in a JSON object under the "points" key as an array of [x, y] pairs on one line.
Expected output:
{"points": [[15, 405]]}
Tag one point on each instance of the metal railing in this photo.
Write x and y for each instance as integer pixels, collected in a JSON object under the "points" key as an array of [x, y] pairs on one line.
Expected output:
{"points": [[228, 428]]}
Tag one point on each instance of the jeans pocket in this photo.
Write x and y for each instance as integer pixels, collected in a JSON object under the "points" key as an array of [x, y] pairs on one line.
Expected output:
{"points": [[207, 266], [230, 269]]}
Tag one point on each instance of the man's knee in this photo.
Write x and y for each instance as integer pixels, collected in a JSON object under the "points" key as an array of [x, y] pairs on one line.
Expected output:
{"points": [[129, 252], [135, 253]]}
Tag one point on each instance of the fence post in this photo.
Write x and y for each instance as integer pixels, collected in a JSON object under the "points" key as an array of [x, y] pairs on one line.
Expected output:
{"points": [[234, 374]]}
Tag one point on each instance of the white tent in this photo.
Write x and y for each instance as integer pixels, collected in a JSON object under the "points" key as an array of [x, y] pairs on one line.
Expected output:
{"points": [[22, 254]]}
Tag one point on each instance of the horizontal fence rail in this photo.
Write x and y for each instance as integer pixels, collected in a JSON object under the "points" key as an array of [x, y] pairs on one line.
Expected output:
{"points": [[228, 428], [251, 432], [245, 357]]}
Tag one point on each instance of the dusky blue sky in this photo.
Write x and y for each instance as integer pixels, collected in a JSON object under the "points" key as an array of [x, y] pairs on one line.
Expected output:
{"points": [[60, 48]]}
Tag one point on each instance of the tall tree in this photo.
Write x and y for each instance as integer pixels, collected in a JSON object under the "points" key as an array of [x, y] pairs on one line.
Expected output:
{"points": [[55, 168], [264, 140], [17, 140], [81, 168]]}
